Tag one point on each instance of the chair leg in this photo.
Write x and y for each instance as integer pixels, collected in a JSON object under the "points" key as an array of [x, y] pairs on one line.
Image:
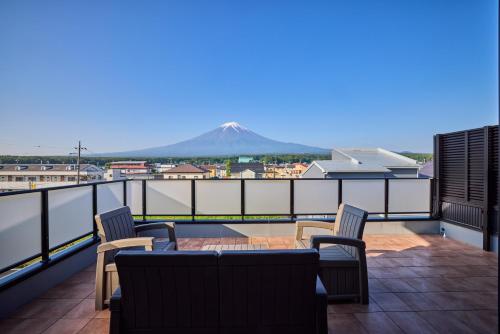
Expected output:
{"points": [[100, 283], [363, 278]]}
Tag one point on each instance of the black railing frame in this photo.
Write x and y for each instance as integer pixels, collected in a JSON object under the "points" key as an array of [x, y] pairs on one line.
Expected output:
{"points": [[48, 260]]}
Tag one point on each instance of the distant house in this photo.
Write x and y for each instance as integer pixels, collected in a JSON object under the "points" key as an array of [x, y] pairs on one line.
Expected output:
{"points": [[363, 163], [131, 168], [49, 173], [31, 176], [164, 167], [186, 171], [298, 169], [254, 170]]}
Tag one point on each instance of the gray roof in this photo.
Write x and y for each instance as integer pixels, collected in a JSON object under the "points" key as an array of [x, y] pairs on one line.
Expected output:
{"points": [[331, 166], [373, 156], [44, 167], [257, 167]]}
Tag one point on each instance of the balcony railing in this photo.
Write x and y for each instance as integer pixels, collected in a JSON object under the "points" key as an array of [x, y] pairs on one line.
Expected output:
{"points": [[37, 226]]}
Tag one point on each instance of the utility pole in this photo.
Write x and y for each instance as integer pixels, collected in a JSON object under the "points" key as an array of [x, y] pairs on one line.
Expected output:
{"points": [[79, 148]]}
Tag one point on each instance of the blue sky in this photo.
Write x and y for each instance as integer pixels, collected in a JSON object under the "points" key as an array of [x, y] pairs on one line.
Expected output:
{"points": [[134, 74]]}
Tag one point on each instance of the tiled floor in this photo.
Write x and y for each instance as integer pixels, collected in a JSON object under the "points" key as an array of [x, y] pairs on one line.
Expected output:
{"points": [[418, 284]]}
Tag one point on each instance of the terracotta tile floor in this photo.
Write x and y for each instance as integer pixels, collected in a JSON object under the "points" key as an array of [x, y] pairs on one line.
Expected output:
{"points": [[418, 284]]}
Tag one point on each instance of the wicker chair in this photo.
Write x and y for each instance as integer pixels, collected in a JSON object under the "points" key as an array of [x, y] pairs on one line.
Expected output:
{"points": [[118, 231], [343, 268]]}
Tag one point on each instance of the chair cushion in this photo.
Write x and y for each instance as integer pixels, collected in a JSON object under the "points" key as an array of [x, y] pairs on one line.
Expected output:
{"points": [[335, 255]]}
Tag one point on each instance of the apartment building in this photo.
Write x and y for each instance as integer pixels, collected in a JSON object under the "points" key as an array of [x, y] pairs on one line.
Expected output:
{"points": [[132, 169], [186, 171], [250, 170], [32, 176]]}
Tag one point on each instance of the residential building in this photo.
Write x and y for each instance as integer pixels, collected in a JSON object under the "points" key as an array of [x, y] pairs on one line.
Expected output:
{"points": [[32, 176], [363, 163], [245, 160], [298, 169], [161, 168], [276, 172], [132, 167], [220, 172], [113, 175], [253, 170], [187, 171], [216, 170]]}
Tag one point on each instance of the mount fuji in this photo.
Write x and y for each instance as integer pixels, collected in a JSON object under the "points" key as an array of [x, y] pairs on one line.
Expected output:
{"points": [[228, 139]]}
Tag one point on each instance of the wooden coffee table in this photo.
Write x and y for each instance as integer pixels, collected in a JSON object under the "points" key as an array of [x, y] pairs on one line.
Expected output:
{"points": [[235, 247]]}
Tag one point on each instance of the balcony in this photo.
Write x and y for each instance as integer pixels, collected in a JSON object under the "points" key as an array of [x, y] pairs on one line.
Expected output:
{"points": [[49, 267], [411, 277]]}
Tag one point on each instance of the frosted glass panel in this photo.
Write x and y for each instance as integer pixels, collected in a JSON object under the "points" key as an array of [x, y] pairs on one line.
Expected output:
{"points": [[134, 197], [20, 232], [364, 194], [109, 196], [267, 197], [315, 196], [70, 214], [218, 197], [409, 195], [168, 197]]}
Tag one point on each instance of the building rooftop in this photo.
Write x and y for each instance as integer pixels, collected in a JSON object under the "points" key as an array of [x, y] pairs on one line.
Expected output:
{"points": [[257, 167], [186, 168], [331, 166], [373, 156], [44, 167], [129, 162]]}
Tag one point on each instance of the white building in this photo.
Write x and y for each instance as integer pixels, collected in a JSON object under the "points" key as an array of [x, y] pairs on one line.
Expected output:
{"points": [[162, 168], [363, 163], [186, 171], [113, 175], [31, 176]]}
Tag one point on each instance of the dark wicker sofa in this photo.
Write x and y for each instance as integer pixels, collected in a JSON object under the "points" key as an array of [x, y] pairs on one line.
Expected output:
{"points": [[227, 292]]}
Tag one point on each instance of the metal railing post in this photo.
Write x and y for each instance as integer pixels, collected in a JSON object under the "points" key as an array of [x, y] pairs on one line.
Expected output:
{"points": [[94, 211], [125, 193], [292, 200], [144, 200], [386, 199], [339, 199], [193, 200], [45, 226], [242, 199]]}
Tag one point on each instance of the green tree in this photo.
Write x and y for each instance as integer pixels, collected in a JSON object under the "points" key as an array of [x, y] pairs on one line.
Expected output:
{"points": [[228, 167]]}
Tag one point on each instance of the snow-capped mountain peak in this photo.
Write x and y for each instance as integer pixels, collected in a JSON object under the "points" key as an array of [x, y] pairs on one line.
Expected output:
{"points": [[229, 139], [232, 125]]}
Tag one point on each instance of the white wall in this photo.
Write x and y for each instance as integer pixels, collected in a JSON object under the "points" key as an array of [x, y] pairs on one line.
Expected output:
{"points": [[313, 172]]}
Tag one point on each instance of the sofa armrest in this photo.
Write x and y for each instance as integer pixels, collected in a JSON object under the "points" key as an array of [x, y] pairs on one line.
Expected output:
{"points": [[321, 307], [316, 240], [115, 309]]}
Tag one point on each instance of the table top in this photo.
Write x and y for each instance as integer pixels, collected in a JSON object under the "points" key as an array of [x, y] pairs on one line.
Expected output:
{"points": [[235, 247]]}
